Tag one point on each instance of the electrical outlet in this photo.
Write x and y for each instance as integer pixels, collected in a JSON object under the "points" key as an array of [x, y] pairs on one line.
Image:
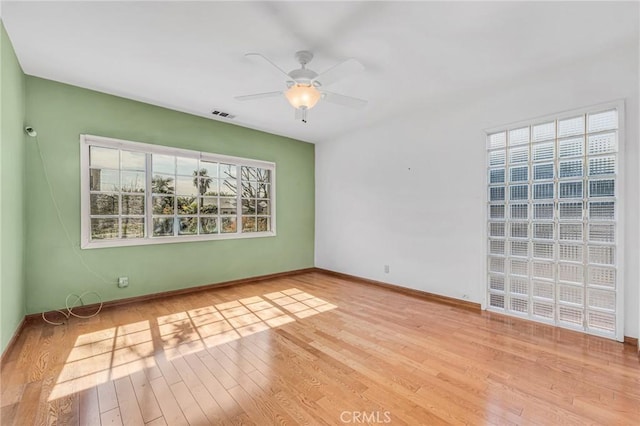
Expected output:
{"points": [[386, 269], [123, 282]]}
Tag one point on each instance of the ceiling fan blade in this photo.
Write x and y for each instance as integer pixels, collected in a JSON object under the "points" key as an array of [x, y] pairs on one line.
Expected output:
{"points": [[270, 62], [339, 71], [343, 100], [258, 96]]}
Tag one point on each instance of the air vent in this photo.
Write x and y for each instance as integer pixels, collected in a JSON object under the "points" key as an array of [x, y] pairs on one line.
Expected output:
{"points": [[223, 114]]}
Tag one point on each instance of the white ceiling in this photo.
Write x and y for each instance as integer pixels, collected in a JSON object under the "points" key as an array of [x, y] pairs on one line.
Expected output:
{"points": [[189, 56]]}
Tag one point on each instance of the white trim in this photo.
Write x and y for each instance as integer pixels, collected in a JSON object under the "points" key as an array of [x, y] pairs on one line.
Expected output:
{"points": [[85, 204], [620, 220], [593, 109]]}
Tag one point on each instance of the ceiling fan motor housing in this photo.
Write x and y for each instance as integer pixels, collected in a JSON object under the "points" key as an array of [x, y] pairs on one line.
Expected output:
{"points": [[303, 76]]}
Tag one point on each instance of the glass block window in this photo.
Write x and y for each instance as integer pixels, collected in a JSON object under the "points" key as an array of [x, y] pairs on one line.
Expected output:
{"points": [[134, 193], [552, 231]]}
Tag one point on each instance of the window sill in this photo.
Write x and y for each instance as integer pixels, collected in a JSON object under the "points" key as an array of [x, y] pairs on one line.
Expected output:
{"points": [[170, 240]]}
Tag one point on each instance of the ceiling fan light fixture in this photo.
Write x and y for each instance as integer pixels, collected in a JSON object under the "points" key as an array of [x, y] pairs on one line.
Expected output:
{"points": [[303, 96]]}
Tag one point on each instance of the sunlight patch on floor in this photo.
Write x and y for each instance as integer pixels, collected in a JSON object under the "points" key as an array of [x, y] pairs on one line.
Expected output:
{"points": [[112, 353]]}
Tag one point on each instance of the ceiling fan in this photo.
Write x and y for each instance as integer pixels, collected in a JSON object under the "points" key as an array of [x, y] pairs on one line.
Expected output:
{"points": [[305, 87]]}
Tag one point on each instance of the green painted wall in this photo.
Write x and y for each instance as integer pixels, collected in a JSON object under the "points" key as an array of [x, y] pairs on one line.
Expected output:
{"points": [[12, 190], [60, 113]]}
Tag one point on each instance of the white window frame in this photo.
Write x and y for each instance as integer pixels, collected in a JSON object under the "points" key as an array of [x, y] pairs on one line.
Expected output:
{"points": [[619, 105], [86, 141]]}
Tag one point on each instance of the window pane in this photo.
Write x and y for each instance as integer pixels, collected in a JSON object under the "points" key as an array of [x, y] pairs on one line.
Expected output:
{"points": [[543, 171], [207, 185], [133, 181], [208, 168], [132, 227], [187, 205], [496, 211], [496, 176], [519, 192], [600, 144], [249, 189], [570, 210], [571, 189], [263, 224], [543, 231], [264, 190], [520, 248], [544, 131], [228, 187], [186, 185], [163, 205], [601, 188], [602, 166], [519, 155], [104, 228], [104, 204], [264, 175], [227, 171], [163, 184], [570, 252], [543, 191], [228, 206], [187, 166], [497, 140], [249, 173], [602, 211], [496, 229], [163, 164], [519, 211], [208, 225], [603, 121], [248, 206], [188, 226], [162, 227], [228, 225], [104, 158], [248, 224], [133, 160], [496, 193], [104, 180], [571, 126], [543, 151], [496, 158], [543, 211], [133, 204], [570, 168], [519, 136], [208, 205], [573, 147], [519, 230], [602, 233], [571, 231], [263, 207], [519, 174]]}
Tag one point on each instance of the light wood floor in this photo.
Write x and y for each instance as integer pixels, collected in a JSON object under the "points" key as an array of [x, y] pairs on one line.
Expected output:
{"points": [[314, 349]]}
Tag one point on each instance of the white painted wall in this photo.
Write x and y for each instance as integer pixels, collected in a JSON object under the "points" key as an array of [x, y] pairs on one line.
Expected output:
{"points": [[409, 192]]}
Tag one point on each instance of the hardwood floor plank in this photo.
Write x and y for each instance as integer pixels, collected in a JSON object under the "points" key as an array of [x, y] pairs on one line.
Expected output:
{"points": [[147, 402], [129, 409], [168, 404], [89, 407], [107, 397], [111, 418], [308, 350]]}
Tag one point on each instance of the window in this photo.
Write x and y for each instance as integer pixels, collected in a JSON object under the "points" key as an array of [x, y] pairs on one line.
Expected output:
{"points": [[135, 193], [554, 219]]}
